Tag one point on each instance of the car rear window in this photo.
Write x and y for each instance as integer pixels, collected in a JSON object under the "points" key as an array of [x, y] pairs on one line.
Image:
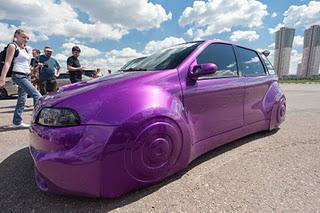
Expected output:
{"points": [[249, 63], [268, 65]]}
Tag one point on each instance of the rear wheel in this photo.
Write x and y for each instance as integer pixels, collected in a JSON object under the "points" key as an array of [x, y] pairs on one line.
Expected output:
{"points": [[278, 114], [3, 94], [281, 112]]}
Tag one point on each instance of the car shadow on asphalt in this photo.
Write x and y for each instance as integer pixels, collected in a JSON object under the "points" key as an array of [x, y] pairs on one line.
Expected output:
{"points": [[12, 111], [8, 128], [9, 98], [18, 191]]}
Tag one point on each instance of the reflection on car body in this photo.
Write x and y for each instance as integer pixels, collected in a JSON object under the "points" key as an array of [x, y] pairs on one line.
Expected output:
{"points": [[108, 136], [132, 63]]}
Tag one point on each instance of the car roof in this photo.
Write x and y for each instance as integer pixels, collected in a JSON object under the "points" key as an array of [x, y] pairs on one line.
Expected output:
{"points": [[229, 42], [221, 41]]}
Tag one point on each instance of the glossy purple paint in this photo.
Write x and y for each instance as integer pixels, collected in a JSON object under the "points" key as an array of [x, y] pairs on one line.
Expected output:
{"points": [[139, 127], [198, 70]]}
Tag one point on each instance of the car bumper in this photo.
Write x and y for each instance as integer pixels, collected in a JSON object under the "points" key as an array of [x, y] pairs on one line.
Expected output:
{"points": [[68, 160]]}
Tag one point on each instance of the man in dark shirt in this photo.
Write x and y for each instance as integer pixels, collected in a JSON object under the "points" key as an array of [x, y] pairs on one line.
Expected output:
{"points": [[73, 65], [49, 70]]}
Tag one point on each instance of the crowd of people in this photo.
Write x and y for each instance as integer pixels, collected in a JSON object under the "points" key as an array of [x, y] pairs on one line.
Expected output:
{"points": [[35, 76]]}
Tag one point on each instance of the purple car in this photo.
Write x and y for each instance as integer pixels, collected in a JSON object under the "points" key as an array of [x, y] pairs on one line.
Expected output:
{"points": [[108, 136]]}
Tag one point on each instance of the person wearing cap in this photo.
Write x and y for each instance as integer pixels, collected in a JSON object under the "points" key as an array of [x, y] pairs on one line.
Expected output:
{"points": [[49, 71], [74, 67]]}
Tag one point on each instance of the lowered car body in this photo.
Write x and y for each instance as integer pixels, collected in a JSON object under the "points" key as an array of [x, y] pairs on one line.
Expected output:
{"points": [[108, 136]]}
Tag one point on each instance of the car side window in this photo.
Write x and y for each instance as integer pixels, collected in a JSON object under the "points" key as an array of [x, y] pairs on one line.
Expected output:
{"points": [[249, 63], [268, 64], [223, 56]]}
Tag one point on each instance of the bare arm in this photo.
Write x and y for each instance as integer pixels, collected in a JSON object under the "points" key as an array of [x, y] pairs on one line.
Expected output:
{"points": [[9, 56], [58, 72], [73, 69]]}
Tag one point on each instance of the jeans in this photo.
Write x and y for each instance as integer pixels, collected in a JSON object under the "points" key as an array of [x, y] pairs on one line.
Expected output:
{"points": [[75, 76], [48, 86], [25, 88]]}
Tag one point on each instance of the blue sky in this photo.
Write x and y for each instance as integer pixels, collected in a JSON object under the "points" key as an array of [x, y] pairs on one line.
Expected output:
{"points": [[113, 32]]}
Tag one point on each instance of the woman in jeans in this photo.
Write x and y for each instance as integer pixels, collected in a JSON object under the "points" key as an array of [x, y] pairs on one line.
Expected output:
{"points": [[20, 74]]}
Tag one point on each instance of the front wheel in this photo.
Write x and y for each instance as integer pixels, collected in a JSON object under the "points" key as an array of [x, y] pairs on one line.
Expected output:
{"points": [[155, 151]]}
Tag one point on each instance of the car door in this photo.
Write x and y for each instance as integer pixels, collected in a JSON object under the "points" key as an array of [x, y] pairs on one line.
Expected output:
{"points": [[214, 103], [257, 84]]}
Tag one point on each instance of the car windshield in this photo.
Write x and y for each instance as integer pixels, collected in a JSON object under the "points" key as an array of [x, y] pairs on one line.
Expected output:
{"points": [[168, 58], [132, 63]]}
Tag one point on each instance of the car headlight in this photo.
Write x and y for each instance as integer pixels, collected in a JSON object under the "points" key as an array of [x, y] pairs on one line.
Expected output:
{"points": [[58, 117]]}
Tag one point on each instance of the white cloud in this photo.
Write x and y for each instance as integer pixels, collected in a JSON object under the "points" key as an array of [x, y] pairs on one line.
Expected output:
{"points": [[298, 41], [56, 19], [244, 35], [115, 59], [273, 30], [272, 46], [62, 58], [302, 16], [85, 50], [7, 32], [109, 20], [217, 16], [153, 46], [72, 40], [2, 46], [139, 14], [190, 32], [274, 15]]}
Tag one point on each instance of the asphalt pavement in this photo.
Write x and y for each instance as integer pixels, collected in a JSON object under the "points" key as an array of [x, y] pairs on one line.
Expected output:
{"points": [[276, 171]]}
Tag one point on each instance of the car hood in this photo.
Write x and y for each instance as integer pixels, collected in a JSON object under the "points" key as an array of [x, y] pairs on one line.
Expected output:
{"points": [[113, 99], [108, 82]]}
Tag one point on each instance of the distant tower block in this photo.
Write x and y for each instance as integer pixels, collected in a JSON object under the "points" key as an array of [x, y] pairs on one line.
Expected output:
{"points": [[311, 52], [282, 54], [299, 68]]}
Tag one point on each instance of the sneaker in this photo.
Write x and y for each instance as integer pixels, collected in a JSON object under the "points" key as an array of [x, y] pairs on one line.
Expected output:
{"points": [[22, 125]]}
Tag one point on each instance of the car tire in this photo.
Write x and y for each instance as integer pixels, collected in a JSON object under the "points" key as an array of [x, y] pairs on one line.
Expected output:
{"points": [[281, 112], [155, 151], [3, 94], [278, 114]]}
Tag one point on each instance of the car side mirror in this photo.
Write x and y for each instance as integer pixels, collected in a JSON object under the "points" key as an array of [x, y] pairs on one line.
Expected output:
{"points": [[199, 70], [266, 53]]}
